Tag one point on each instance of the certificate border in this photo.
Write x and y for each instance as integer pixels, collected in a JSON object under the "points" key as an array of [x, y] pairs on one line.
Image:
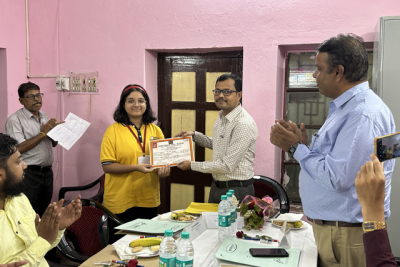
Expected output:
{"points": [[151, 142]]}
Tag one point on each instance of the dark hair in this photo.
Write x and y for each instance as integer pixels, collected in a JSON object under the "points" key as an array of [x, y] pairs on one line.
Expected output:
{"points": [[120, 114], [8, 146], [25, 87], [348, 51], [237, 79]]}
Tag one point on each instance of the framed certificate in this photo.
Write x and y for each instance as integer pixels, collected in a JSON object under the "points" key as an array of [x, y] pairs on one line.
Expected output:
{"points": [[170, 151]]}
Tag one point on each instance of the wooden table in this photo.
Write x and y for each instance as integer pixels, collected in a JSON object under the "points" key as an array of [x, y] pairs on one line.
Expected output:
{"points": [[108, 253]]}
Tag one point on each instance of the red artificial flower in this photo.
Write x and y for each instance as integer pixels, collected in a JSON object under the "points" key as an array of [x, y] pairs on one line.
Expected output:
{"points": [[260, 213], [133, 263], [251, 205], [239, 234]]}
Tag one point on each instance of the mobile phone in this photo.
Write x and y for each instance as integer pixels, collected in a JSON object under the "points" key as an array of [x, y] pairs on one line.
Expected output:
{"points": [[268, 252], [387, 147]]}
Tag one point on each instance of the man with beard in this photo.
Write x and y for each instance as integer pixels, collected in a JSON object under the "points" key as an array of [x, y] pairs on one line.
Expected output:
{"points": [[233, 143], [29, 127], [23, 235]]}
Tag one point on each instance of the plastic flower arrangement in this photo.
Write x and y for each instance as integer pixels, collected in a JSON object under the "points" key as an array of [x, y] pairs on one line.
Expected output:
{"points": [[255, 211]]}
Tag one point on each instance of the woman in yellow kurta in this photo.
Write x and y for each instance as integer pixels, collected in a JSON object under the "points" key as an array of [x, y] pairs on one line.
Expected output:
{"points": [[132, 188]]}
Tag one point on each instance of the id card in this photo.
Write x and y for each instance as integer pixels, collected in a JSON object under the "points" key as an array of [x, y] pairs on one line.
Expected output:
{"points": [[144, 160]]}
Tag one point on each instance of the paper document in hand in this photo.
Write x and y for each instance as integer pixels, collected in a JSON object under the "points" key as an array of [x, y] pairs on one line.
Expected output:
{"points": [[170, 151], [237, 250], [69, 132]]}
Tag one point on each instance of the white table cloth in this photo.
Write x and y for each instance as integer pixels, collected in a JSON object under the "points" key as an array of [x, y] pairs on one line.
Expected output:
{"points": [[206, 244]]}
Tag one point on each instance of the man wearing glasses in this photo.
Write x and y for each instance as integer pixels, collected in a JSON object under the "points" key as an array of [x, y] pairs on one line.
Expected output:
{"points": [[233, 143], [29, 127]]}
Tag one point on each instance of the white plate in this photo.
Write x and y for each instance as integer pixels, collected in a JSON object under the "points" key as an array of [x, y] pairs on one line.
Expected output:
{"points": [[302, 227], [145, 253], [167, 217]]}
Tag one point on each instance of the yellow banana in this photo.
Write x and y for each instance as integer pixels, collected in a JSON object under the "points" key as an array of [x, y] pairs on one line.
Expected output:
{"points": [[145, 242]]}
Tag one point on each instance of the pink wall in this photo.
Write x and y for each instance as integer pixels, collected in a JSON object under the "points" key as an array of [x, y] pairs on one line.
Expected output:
{"points": [[119, 39]]}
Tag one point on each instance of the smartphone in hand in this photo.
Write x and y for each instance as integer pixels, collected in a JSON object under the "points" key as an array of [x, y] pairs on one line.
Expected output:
{"points": [[387, 147], [268, 252]]}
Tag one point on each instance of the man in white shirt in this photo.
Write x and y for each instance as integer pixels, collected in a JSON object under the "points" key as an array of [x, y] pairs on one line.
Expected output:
{"points": [[233, 143]]}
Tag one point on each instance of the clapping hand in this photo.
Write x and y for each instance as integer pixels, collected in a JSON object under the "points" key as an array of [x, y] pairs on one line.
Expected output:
{"points": [[50, 125], [69, 213], [48, 226], [290, 126]]}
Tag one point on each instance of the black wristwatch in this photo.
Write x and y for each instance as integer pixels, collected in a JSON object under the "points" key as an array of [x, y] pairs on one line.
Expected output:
{"points": [[293, 148]]}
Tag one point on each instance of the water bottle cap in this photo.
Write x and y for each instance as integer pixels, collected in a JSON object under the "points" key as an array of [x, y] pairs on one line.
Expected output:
{"points": [[231, 191], [229, 194], [223, 197], [185, 235], [168, 232]]}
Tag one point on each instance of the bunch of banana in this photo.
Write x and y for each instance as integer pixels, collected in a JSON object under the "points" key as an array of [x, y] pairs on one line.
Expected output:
{"points": [[145, 242]]}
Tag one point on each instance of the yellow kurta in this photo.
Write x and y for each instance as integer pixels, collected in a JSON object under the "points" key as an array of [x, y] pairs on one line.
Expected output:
{"points": [[18, 237], [134, 189]]}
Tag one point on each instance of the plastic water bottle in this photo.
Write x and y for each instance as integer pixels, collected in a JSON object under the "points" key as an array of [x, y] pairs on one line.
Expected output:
{"points": [[233, 211], [234, 206], [235, 201], [185, 251], [224, 215], [168, 250]]}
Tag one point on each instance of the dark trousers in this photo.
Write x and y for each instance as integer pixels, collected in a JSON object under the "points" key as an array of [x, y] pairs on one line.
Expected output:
{"points": [[240, 192], [38, 187], [130, 215]]}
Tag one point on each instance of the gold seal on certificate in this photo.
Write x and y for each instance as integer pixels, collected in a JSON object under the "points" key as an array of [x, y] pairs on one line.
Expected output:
{"points": [[170, 151]]}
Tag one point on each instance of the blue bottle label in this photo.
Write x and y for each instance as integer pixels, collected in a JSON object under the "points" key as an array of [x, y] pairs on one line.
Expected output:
{"points": [[188, 263], [224, 221], [167, 262]]}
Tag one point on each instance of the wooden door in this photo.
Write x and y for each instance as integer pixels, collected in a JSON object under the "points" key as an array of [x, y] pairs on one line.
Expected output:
{"points": [[186, 102]]}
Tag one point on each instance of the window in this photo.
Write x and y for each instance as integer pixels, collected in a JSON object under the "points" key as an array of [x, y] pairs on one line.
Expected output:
{"points": [[304, 104]]}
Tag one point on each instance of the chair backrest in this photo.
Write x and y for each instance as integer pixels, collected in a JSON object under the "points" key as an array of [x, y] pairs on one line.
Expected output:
{"points": [[100, 193], [85, 229], [267, 186], [98, 197]]}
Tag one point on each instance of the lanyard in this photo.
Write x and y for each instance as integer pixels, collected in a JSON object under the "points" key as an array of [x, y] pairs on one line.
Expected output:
{"points": [[144, 139]]}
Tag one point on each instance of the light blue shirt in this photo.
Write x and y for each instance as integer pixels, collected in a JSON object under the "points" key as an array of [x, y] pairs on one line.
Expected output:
{"points": [[337, 152]]}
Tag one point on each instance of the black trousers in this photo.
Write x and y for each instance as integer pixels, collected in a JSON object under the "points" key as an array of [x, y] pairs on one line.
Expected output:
{"points": [[130, 215], [240, 192], [38, 187]]}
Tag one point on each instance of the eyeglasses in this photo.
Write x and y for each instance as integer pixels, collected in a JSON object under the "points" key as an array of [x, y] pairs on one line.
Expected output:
{"points": [[226, 92], [133, 101], [31, 97]]}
